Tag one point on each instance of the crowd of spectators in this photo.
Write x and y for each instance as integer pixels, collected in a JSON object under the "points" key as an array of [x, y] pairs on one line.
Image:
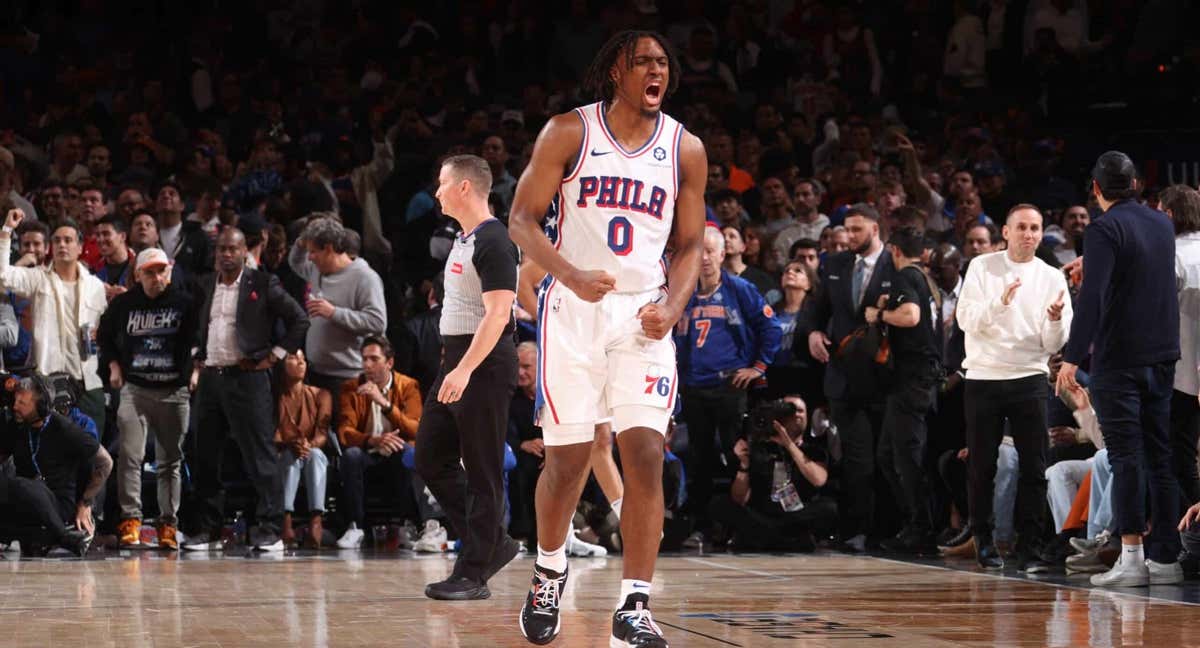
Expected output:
{"points": [[230, 248]]}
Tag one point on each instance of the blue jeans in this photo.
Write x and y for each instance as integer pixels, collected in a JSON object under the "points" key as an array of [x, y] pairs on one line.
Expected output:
{"points": [[1004, 500], [1100, 515], [1134, 409], [315, 470]]}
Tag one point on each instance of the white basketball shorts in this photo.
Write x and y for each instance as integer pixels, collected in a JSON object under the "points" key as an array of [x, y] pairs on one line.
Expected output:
{"points": [[595, 363]]}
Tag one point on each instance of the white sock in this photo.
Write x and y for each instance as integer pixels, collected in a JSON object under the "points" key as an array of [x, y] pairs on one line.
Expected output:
{"points": [[555, 561], [616, 506], [1132, 554], [632, 586]]}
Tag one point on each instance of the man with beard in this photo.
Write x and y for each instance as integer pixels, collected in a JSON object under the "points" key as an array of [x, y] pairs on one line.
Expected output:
{"points": [[851, 280], [1074, 221], [234, 356], [808, 222], [49, 453]]}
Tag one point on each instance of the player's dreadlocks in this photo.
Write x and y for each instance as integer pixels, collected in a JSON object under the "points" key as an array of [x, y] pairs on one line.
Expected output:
{"points": [[598, 82]]}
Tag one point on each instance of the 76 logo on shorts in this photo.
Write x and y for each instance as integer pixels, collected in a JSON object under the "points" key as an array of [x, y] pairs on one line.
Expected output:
{"points": [[658, 384]]}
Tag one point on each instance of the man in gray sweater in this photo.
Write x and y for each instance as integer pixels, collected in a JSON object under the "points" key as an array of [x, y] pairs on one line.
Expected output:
{"points": [[344, 300]]}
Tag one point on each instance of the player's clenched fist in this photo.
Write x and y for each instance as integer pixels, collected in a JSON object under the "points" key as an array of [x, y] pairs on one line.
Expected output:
{"points": [[591, 285], [657, 320]]}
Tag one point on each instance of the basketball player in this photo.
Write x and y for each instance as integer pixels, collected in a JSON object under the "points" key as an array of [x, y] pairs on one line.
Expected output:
{"points": [[616, 173]]}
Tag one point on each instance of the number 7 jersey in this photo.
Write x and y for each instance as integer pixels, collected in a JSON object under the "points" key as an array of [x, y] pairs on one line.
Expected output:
{"points": [[614, 210]]}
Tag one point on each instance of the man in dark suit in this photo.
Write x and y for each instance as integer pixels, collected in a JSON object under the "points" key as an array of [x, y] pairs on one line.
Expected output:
{"points": [[851, 281], [947, 424], [235, 353]]}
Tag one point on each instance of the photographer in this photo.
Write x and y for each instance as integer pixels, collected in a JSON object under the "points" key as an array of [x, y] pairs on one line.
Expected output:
{"points": [[775, 501], [49, 452], [907, 314]]}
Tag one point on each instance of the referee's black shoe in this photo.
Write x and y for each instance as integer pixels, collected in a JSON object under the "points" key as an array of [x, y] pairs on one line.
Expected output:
{"points": [[504, 554], [458, 588], [540, 622]]}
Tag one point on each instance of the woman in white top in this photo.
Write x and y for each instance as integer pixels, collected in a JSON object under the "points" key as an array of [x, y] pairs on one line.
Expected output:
{"points": [[1182, 204]]}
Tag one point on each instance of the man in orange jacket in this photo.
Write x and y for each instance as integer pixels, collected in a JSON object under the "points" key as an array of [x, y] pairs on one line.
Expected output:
{"points": [[377, 423]]}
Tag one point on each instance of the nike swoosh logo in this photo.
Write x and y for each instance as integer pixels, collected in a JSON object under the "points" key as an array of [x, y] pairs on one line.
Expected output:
{"points": [[595, 152]]}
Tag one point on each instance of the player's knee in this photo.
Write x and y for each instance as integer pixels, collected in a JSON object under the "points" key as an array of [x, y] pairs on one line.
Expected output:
{"points": [[567, 465]]}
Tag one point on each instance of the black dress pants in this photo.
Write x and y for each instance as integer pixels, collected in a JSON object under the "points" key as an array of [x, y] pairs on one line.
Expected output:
{"points": [[1022, 402], [471, 430], [901, 449], [1185, 432], [714, 420], [232, 402]]}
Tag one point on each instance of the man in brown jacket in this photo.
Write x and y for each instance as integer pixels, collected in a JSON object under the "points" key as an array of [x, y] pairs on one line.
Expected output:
{"points": [[377, 422]]}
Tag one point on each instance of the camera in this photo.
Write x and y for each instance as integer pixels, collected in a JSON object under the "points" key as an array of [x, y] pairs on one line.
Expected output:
{"points": [[759, 421]]}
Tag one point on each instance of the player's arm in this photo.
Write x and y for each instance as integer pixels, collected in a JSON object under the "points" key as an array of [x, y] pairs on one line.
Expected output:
{"points": [[554, 151], [687, 240]]}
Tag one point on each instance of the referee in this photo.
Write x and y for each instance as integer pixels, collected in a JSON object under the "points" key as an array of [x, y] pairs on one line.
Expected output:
{"points": [[466, 410]]}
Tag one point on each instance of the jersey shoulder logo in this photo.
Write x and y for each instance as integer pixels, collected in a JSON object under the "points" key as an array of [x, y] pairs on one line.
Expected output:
{"points": [[660, 153], [599, 153], [768, 311]]}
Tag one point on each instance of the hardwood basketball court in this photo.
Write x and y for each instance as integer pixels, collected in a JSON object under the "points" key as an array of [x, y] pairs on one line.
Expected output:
{"points": [[141, 599]]}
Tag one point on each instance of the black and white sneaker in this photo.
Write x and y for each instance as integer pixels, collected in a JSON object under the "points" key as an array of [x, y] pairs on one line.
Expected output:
{"points": [[633, 627], [539, 620]]}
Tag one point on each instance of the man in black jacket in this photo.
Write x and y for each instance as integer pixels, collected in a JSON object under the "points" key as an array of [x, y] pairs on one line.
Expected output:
{"points": [[234, 354], [851, 281], [146, 338], [184, 241], [49, 454], [1127, 316]]}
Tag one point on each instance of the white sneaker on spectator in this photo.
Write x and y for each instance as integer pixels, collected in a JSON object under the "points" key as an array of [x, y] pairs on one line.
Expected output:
{"points": [[1084, 545], [694, 541], [1164, 573], [581, 549], [203, 542], [352, 538], [1087, 562], [433, 539], [1126, 573]]}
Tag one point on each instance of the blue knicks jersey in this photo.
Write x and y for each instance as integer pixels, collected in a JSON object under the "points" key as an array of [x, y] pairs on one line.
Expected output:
{"points": [[614, 210]]}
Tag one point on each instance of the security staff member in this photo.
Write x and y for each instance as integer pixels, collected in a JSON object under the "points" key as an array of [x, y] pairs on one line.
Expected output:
{"points": [[901, 449], [466, 410]]}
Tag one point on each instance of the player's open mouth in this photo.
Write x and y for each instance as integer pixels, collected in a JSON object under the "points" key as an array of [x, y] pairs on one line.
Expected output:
{"points": [[654, 91]]}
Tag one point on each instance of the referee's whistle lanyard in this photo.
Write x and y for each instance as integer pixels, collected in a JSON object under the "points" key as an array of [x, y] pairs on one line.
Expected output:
{"points": [[34, 447]]}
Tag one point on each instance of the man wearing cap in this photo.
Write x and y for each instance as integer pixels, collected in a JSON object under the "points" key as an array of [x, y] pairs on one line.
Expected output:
{"points": [[1129, 322], [146, 339]]}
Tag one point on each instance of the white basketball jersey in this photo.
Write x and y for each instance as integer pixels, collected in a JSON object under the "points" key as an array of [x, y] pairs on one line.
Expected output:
{"points": [[614, 210]]}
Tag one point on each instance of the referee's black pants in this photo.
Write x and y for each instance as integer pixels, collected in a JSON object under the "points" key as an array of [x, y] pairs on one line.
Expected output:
{"points": [[472, 430]]}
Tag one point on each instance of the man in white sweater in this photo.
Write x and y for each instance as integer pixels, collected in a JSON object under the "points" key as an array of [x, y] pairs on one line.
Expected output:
{"points": [[1016, 313]]}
